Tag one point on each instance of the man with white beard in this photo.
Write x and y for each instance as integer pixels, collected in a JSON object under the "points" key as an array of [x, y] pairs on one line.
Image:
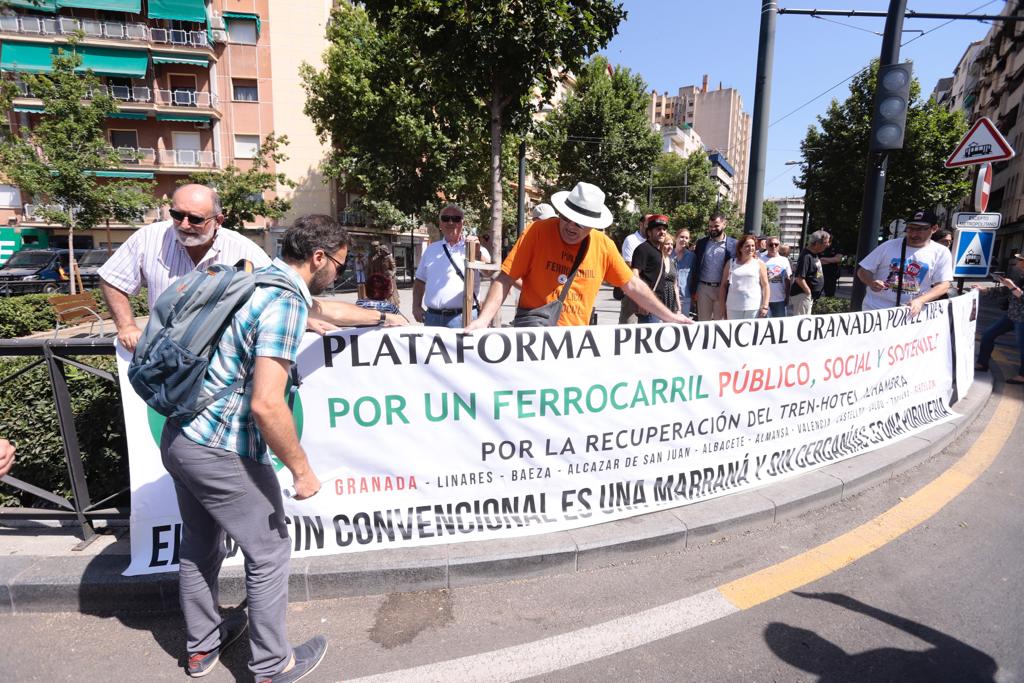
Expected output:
{"points": [[160, 253]]}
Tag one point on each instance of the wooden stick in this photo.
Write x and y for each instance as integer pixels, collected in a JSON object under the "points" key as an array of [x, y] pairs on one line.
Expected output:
{"points": [[467, 294]]}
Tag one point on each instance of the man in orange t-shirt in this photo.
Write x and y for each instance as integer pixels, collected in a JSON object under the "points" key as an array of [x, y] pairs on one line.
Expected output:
{"points": [[543, 258]]}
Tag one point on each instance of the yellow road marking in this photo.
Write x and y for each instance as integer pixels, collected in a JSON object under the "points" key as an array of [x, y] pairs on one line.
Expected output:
{"points": [[833, 555]]}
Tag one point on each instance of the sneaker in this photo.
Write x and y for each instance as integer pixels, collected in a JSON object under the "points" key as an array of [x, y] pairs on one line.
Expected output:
{"points": [[231, 629], [307, 657]]}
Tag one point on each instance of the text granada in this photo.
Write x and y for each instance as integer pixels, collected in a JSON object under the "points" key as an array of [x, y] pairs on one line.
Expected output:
{"points": [[375, 484]]}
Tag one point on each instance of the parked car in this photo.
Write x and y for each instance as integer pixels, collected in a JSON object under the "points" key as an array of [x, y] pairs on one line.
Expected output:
{"points": [[89, 266], [36, 270]]}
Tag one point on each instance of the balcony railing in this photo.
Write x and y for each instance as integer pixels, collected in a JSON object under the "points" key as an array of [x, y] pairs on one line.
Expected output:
{"points": [[31, 213], [185, 98], [137, 93], [170, 158], [94, 28], [178, 37]]}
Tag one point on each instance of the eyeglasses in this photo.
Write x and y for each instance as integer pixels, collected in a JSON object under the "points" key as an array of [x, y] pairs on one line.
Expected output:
{"points": [[918, 228], [451, 219], [338, 264], [773, 244], [193, 219]]}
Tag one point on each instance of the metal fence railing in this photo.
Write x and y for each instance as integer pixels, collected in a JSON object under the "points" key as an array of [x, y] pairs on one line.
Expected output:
{"points": [[56, 355]]}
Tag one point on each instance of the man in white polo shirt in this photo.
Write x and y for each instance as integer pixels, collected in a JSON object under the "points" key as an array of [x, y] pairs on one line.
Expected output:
{"points": [[160, 253], [440, 278]]}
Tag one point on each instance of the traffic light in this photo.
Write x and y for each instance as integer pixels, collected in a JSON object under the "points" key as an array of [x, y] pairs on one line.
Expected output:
{"points": [[892, 98]]}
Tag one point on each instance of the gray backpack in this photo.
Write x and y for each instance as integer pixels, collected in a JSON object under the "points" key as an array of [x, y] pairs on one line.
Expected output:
{"points": [[185, 326]]}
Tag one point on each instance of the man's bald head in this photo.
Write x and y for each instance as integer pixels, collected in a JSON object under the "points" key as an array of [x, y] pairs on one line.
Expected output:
{"points": [[203, 195]]}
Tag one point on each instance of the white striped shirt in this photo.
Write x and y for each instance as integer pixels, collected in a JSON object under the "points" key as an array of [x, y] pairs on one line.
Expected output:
{"points": [[154, 258]]}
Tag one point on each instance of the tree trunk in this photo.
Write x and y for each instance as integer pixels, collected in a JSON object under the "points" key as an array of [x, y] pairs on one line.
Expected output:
{"points": [[71, 258], [496, 107]]}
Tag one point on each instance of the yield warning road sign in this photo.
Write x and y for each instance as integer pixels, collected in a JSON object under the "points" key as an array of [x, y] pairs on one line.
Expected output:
{"points": [[972, 251], [982, 143]]}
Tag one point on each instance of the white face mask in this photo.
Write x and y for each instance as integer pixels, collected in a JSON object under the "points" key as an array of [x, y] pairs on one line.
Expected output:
{"points": [[193, 239]]}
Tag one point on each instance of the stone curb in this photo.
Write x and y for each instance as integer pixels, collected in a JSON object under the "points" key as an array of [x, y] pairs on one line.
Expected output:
{"points": [[94, 585]]}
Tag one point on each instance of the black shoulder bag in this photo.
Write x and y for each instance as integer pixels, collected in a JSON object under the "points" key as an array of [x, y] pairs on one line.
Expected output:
{"points": [[548, 314]]}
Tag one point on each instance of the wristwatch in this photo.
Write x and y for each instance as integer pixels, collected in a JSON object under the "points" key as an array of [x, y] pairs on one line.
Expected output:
{"points": [[383, 319]]}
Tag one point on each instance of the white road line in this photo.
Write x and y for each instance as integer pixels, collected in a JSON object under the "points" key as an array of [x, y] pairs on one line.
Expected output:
{"points": [[569, 649]]}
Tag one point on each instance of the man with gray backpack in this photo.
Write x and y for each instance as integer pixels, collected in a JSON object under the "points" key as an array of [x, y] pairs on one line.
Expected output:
{"points": [[220, 426]]}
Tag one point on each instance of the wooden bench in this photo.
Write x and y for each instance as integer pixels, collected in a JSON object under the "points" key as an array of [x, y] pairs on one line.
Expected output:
{"points": [[77, 309]]}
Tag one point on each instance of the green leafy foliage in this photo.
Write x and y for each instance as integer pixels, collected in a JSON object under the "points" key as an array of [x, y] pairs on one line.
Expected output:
{"points": [[30, 313], [830, 304], [417, 95], [600, 134], [242, 191], [769, 218], [835, 152], [56, 161], [30, 421]]}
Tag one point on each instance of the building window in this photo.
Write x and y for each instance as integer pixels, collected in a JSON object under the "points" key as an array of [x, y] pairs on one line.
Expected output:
{"points": [[10, 197], [242, 31], [244, 90], [247, 146]]}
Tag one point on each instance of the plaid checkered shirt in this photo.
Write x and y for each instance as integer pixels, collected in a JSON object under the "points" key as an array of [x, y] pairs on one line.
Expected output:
{"points": [[270, 324]]}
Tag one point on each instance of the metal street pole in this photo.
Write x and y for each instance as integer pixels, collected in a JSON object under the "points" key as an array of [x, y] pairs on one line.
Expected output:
{"points": [[877, 162], [521, 214], [759, 132]]}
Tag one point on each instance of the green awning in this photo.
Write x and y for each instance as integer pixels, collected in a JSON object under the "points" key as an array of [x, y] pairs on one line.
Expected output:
{"points": [[135, 115], [133, 175], [28, 108], [44, 6], [189, 118], [228, 16], [130, 6], [193, 60], [104, 61], [181, 10]]}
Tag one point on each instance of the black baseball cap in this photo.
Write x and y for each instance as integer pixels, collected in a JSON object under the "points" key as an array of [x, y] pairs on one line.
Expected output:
{"points": [[923, 216]]}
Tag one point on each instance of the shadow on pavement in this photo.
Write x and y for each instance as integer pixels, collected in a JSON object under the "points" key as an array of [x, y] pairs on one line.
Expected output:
{"points": [[948, 660]]}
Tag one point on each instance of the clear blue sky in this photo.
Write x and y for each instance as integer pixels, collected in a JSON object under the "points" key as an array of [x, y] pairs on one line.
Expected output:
{"points": [[672, 44]]}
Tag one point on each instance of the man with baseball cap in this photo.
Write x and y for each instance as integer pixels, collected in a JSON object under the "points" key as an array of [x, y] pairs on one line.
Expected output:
{"points": [[910, 270], [543, 259]]}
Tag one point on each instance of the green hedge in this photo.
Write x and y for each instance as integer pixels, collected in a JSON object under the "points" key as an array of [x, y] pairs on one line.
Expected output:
{"points": [[30, 421], [29, 416], [28, 313], [831, 304]]}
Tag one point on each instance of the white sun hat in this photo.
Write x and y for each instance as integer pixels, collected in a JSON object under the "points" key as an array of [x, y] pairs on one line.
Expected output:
{"points": [[542, 211], [584, 205]]}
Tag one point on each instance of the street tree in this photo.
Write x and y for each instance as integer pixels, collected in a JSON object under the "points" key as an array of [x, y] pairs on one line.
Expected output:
{"points": [[396, 134], [59, 160], [835, 150], [498, 58], [682, 189], [242, 191], [601, 134], [769, 218]]}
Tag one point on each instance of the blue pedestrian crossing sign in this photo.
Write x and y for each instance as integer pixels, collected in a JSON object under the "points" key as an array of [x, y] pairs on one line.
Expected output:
{"points": [[972, 252]]}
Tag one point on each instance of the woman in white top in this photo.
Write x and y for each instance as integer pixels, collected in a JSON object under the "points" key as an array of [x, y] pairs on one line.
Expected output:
{"points": [[745, 290]]}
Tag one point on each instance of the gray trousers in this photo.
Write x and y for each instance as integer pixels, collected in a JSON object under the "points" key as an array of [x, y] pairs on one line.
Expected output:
{"points": [[221, 492]]}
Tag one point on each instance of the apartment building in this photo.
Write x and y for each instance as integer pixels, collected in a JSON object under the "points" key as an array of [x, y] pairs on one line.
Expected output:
{"points": [[682, 140], [718, 118], [791, 219], [989, 81]]}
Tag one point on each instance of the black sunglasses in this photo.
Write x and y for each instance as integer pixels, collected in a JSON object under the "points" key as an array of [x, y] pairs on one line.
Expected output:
{"points": [[451, 219], [192, 218], [338, 264]]}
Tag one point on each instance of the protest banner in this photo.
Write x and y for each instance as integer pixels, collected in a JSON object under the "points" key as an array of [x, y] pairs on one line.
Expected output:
{"points": [[428, 435]]}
